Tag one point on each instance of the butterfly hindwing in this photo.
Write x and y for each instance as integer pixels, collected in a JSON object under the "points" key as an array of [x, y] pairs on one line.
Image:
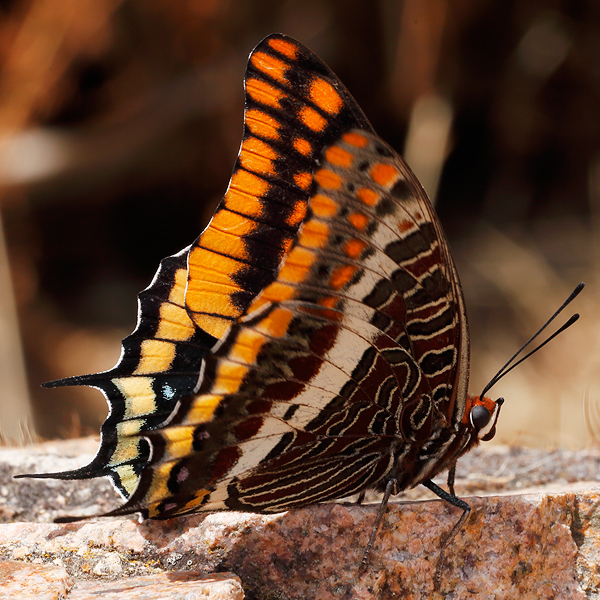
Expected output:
{"points": [[159, 364]]}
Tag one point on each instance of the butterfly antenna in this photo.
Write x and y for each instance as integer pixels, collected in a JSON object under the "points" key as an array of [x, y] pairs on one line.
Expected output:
{"points": [[509, 366]]}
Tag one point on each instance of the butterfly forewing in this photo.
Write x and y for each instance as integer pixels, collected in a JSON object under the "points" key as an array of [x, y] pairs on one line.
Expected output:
{"points": [[334, 339], [295, 106]]}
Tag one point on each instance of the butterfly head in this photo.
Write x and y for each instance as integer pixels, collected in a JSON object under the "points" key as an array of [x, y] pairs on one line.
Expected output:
{"points": [[482, 414]]}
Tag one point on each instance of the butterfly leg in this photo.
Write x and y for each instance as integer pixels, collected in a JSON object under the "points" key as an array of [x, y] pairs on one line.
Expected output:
{"points": [[451, 499], [451, 475], [390, 489], [360, 498]]}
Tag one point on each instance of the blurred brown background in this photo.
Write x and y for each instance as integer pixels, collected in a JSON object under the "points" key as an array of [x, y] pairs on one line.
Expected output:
{"points": [[120, 121]]}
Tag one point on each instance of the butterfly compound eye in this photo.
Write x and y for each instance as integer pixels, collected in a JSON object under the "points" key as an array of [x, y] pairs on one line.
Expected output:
{"points": [[480, 416]]}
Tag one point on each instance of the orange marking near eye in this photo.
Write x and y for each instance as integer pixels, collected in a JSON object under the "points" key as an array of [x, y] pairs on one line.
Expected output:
{"points": [[303, 180], [262, 124], [284, 47], [358, 221], [311, 118], [270, 65], [338, 156], [477, 401], [314, 234], [325, 96], [277, 323], [354, 248], [297, 215], [384, 174], [355, 139], [368, 196], [322, 206], [303, 146], [328, 179], [264, 93], [257, 156], [341, 276]]}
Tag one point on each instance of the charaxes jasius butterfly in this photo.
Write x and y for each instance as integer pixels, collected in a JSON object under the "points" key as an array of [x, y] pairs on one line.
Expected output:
{"points": [[312, 343]]}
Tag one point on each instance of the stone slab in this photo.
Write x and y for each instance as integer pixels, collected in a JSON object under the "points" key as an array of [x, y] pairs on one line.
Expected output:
{"points": [[537, 545]]}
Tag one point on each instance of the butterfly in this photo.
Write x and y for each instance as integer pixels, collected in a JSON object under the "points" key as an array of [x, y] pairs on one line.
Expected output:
{"points": [[312, 343]]}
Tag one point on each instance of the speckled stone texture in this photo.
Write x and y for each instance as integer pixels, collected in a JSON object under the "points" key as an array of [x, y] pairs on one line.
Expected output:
{"points": [[535, 545], [44, 582], [49, 582]]}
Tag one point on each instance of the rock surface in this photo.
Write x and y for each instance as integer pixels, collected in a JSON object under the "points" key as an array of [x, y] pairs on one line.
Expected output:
{"points": [[536, 545]]}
